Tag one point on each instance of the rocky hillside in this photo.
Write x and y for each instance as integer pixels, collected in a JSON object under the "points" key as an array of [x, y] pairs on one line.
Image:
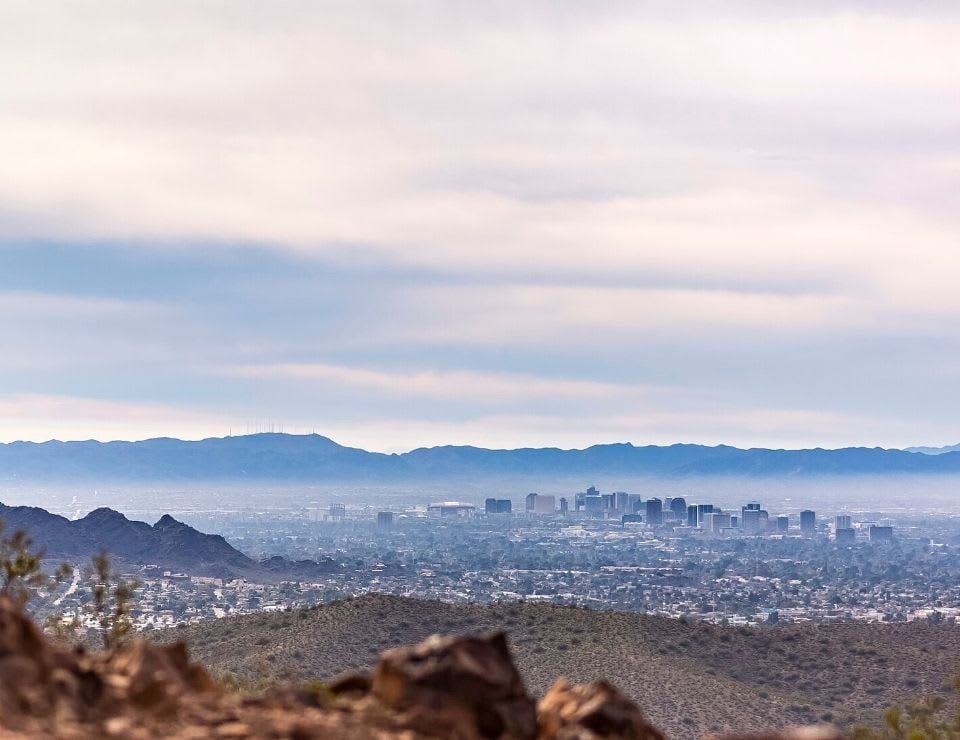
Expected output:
{"points": [[691, 679], [466, 688]]}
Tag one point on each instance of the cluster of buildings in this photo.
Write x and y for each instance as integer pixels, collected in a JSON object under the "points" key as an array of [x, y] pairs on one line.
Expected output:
{"points": [[750, 519], [724, 564], [673, 569]]}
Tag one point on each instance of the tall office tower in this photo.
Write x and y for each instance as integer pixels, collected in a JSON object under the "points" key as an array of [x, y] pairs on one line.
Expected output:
{"points": [[498, 506], [764, 520], [808, 522], [594, 506], [384, 519], [545, 504], [592, 491], [880, 534], [531, 501], [579, 501], [654, 512], [842, 521], [608, 503], [845, 535], [750, 520], [337, 512], [752, 506], [783, 523], [679, 508], [719, 522], [564, 506], [703, 509], [692, 515], [621, 501]]}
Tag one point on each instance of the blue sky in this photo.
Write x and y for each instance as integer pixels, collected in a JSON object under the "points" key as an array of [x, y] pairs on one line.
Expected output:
{"points": [[499, 224]]}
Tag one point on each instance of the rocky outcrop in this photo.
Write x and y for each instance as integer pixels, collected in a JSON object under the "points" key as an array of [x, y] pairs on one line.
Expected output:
{"points": [[467, 686], [589, 711]]}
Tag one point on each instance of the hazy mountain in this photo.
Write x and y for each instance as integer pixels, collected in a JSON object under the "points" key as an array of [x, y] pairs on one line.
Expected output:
{"points": [[934, 450], [167, 543], [283, 457]]}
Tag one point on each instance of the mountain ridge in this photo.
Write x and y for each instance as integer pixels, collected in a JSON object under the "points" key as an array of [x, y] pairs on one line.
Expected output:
{"points": [[313, 457], [168, 543]]}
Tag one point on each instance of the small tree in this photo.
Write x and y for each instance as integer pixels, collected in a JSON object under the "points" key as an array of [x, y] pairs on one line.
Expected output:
{"points": [[21, 567], [112, 602]]}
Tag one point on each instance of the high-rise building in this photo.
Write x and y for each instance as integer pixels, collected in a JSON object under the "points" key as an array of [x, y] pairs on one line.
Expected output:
{"points": [[692, 515], [337, 512], [594, 506], [384, 519], [880, 534], [608, 503], [579, 501], [679, 508], [734, 521], [654, 512], [545, 504], [783, 523], [842, 521], [621, 501], [845, 535], [531, 502], [750, 520], [564, 506], [498, 506], [808, 522], [701, 510], [752, 506]]}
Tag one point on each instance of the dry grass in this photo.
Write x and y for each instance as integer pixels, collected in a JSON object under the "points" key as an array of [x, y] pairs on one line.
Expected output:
{"points": [[690, 679]]}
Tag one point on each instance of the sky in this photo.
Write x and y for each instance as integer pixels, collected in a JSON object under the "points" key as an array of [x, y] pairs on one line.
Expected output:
{"points": [[504, 224]]}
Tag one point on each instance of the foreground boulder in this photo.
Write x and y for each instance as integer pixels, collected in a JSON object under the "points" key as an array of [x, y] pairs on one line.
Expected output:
{"points": [[469, 686], [588, 711]]}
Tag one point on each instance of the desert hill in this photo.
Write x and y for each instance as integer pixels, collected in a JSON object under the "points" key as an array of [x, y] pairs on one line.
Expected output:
{"points": [[445, 688], [690, 679]]}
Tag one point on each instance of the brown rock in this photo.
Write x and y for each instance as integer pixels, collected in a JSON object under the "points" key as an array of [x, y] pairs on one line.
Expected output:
{"points": [[457, 687], [588, 711]]}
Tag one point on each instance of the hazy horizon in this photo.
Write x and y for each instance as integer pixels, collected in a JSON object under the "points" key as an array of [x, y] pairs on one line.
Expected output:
{"points": [[401, 449]]}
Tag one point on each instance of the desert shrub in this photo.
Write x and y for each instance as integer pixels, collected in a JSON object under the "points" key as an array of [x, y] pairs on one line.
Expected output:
{"points": [[20, 567]]}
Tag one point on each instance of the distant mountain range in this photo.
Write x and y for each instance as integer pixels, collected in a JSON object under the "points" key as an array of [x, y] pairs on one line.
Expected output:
{"points": [[168, 543], [284, 457], [934, 450]]}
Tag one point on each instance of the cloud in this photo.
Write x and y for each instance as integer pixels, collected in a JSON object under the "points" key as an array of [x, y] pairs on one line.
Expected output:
{"points": [[546, 206], [43, 417]]}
